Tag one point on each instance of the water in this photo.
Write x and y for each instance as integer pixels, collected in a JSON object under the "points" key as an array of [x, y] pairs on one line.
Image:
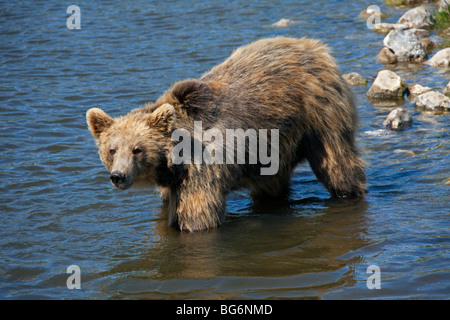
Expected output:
{"points": [[58, 207]]}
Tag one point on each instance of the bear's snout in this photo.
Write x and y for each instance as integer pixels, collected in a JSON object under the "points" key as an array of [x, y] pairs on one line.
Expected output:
{"points": [[117, 178]]}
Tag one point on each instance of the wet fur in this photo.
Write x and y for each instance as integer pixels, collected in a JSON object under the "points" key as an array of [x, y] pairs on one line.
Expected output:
{"points": [[280, 83]]}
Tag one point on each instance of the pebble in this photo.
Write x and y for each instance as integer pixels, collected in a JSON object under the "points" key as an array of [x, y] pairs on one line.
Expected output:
{"points": [[387, 85], [441, 59], [433, 101], [405, 45], [399, 118], [417, 90], [354, 79], [419, 18], [447, 90], [284, 23]]}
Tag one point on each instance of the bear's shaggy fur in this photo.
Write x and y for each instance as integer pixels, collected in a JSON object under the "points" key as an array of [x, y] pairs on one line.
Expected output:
{"points": [[280, 83]]}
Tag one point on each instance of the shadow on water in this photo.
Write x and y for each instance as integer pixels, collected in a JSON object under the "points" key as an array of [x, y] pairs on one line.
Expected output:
{"points": [[286, 249]]}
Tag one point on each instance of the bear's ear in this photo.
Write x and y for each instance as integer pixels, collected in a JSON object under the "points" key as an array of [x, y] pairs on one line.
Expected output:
{"points": [[163, 118], [98, 121], [192, 93]]}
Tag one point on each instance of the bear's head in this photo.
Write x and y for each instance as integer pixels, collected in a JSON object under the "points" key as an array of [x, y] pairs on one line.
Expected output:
{"points": [[134, 146]]}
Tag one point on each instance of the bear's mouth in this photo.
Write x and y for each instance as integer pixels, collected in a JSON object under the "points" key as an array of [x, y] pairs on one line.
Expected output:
{"points": [[121, 186]]}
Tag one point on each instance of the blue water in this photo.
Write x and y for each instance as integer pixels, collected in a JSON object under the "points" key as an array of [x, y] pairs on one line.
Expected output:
{"points": [[58, 207]]}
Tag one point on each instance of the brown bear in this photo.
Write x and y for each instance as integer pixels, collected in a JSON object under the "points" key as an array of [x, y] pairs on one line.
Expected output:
{"points": [[289, 87]]}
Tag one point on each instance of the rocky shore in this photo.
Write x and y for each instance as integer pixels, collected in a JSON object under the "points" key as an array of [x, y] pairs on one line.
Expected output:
{"points": [[408, 42]]}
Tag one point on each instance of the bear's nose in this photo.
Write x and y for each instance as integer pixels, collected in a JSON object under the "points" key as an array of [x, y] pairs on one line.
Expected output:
{"points": [[117, 178]]}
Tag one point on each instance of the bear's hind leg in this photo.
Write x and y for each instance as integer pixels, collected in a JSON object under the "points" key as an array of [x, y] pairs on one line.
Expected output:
{"points": [[336, 164]]}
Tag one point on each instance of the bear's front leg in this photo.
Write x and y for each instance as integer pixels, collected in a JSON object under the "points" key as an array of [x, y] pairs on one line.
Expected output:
{"points": [[196, 210], [165, 194]]}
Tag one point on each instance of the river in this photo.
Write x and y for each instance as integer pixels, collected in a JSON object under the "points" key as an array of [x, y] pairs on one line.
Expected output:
{"points": [[59, 209]]}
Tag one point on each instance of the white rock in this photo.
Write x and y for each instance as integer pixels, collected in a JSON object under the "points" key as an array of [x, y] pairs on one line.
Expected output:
{"points": [[403, 151], [405, 45], [443, 5], [441, 59], [417, 89], [284, 23], [398, 118], [428, 44], [354, 79], [418, 17], [378, 132], [433, 101], [385, 27], [447, 90], [387, 85], [372, 11], [386, 56]]}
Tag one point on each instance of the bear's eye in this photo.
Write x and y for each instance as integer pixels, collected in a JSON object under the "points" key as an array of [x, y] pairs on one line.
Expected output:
{"points": [[137, 151], [112, 151]]}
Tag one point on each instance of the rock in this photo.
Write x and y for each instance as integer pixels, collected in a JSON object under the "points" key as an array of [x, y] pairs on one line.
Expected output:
{"points": [[421, 33], [407, 152], [386, 103], [386, 56], [405, 45], [395, 2], [433, 100], [447, 90], [284, 23], [428, 44], [355, 79], [398, 118], [419, 18], [417, 90], [443, 5], [404, 2], [387, 85], [378, 133], [370, 11], [441, 59], [385, 27]]}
